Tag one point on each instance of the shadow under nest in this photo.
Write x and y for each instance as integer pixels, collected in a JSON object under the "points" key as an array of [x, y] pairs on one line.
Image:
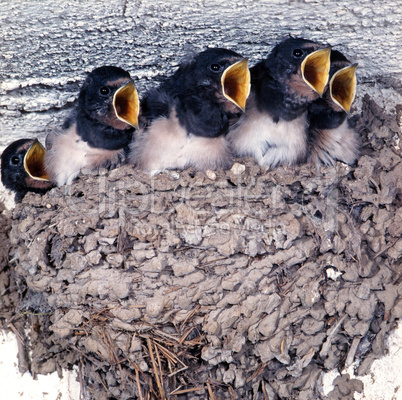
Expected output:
{"points": [[222, 285]]}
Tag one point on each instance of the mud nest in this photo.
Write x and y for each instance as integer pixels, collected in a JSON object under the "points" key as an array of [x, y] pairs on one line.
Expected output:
{"points": [[240, 284]]}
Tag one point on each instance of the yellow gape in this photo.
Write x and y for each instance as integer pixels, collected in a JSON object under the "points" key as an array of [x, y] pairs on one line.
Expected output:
{"points": [[126, 104], [236, 83], [34, 162], [315, 69], [342, 87]]}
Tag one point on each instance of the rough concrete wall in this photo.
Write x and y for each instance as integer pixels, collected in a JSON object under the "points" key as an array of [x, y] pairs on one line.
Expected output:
{"points": [[48, 46]]}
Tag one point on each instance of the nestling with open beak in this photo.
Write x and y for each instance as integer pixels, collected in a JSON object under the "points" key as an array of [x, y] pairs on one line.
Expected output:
{"points": [[23, 168], [273, 129], [330, 135], [188, 116], [99, 130]]}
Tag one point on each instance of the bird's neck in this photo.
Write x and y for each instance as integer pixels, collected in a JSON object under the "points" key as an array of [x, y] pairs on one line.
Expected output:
{"points": [[202, 117], [275, 98], [322, 116], [273, 93], [102, 136]]}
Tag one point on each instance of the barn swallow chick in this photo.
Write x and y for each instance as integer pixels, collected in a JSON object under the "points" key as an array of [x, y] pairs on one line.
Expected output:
{"points": [[186, 119], [273, 129], [23, 168], [99, 129], [330, 136]]}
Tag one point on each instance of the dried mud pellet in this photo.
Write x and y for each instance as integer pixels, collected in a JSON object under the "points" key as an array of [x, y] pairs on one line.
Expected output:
{"points": [[155, 306]]}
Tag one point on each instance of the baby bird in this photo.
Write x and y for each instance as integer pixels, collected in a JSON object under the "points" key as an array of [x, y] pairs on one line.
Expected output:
{"points": [[273, 129], [186, 119], [100, 128], [330, 136], [23, 168]]}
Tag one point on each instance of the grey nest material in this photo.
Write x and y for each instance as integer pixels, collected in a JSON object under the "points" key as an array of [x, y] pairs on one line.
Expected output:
{"points": [[239, 284]]}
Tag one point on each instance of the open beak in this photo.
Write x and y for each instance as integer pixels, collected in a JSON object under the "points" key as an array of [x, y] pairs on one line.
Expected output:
{"points": [[315, 69], [126, 104], [34, 162], [236, 83], [342, 87]]}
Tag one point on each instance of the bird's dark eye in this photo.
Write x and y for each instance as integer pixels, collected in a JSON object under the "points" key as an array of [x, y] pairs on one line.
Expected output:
{"points": [[104, 91], [215, 67], [15, 160], [298, 53]]}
